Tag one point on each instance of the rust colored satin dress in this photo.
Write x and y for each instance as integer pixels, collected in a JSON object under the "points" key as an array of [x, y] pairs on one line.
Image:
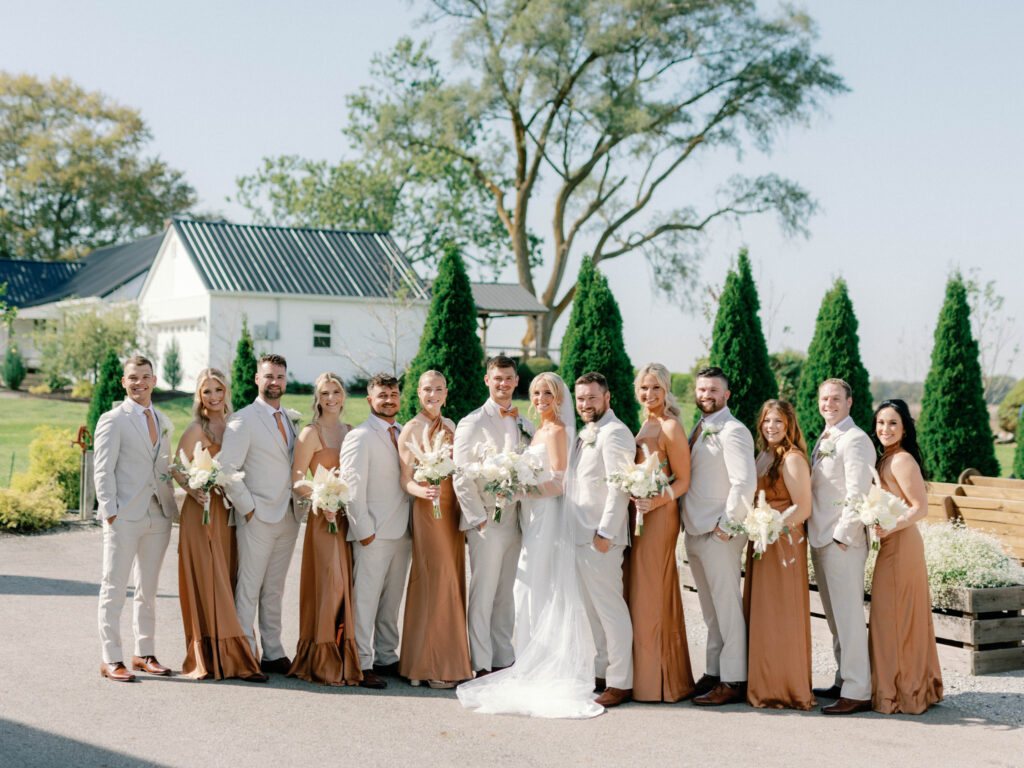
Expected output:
{"points": [[326, 651], [905, 672], [435, 645], [661, 657], [215, 645], [776, 604]]}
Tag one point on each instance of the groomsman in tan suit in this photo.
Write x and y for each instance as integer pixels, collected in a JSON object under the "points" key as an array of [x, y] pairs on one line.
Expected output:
{"points": [[259, 441], [493, 545], [602, 535], [841, 464], [378, 525], [133, 442], [722, 478]]}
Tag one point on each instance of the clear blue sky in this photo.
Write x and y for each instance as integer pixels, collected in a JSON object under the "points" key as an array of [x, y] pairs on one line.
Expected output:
{"points": [[917, 170]]}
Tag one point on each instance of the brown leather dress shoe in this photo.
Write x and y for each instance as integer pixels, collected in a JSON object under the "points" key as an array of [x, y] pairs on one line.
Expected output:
{"points": [[599, 685], [847, 707], [117, 672], [723, 693], [150, 665], [386, 670], [371, 680], [706, 684], [835, 692], [256, 677], [276, 666], [612, 697]]}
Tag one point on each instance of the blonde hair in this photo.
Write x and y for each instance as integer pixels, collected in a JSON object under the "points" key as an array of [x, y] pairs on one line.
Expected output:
{"points": [[199, 413], [322, 381], [432, 372], [664, 379], [552, 380]]}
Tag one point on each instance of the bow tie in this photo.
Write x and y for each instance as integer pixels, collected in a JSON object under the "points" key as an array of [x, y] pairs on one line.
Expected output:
{"points": [[513, 412]]}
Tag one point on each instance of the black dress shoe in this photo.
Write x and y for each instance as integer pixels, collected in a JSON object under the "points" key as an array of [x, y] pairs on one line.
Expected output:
{"points": [[276, 666], [370, 680], [386, 670], [599, 685], [828, 693], [706, 684]]}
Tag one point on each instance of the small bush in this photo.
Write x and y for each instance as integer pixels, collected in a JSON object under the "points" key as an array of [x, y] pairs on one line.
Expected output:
{"points": [[13, 369], [682, 387], [294, 387], [53, 462], [83, 389], [528, 370], [43, 388], [26, 511]]}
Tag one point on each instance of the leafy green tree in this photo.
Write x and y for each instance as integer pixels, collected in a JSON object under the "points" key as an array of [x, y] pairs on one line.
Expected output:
{"points": [[7, 312], [13, 369], [72, 173], [954, 428], [172, 364], [598, 102], [243, 370], [738, 345], [449, 343], [108, 389], [834, 353], [72, 345], [593, 342], [1018, 454]]}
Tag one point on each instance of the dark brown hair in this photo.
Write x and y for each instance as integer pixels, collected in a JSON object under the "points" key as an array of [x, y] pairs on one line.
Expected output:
{"points": [[384, 380], [593, 377], [713, 372], [273, 359], [501, 361], [138, 360]]}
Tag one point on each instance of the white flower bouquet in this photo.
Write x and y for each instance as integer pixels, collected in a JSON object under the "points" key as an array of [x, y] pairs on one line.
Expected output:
{"points": [[433, 461], [204, 473], [879, 507], [506, 473], [641, 481], [330, 491], [764, 524]]}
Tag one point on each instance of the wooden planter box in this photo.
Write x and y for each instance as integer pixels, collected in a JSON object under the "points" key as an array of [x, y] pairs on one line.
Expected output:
{"points": [[985, 628]]}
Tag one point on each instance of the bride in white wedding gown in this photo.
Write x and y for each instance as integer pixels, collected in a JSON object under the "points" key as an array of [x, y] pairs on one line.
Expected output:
{"points": [[553, 675]]}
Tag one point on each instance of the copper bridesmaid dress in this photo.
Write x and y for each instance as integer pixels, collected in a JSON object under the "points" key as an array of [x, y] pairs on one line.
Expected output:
{"points": [[216, 646], [905, 672], [326, 651], [661, 658], [776, 603], [435, 645]]}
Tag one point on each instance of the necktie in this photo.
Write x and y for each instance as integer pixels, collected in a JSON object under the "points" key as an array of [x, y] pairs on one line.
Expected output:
{"points": [[394, 438], [824, 436], [152, 426], [280, 427], [696, 432], [513, 412]]}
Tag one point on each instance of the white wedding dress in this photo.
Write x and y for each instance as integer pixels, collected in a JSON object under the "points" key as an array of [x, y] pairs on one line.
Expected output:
{"points": [[553, 675]]}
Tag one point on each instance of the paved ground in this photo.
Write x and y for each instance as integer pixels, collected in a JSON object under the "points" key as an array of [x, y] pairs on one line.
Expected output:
{"points": [[55, 710]]}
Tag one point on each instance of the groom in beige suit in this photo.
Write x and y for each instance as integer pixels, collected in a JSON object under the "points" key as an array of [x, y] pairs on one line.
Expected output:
{"points": [[841, 465], [722, 478], [259, 441], [133, 442], [379, 516], [493, 545], [602, 534]]}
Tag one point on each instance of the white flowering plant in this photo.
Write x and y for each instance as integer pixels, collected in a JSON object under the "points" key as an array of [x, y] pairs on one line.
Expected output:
{"points": [[645, 480], [433, 461], [506, 473], [330, 492]]}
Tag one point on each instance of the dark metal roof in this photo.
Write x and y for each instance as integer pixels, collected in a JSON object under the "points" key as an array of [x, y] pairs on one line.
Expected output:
{"points": [[239, 258], [505, 299], [106, 269], [28, 281]]}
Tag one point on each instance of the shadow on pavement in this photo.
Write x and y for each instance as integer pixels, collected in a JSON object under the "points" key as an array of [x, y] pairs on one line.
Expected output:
{"points": [[28, 747], [41, 585]]}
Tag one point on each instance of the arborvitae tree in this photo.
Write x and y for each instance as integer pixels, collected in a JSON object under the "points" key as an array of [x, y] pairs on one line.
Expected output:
{"points": [[738, 345], [13, 369], [243, 371], [834, 354], [449, 343], [172, 364], [593, 342], [1018, 455], [108, 389], [954, 430]]}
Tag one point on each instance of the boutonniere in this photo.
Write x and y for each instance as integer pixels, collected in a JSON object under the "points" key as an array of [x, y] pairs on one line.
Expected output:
{"points": [[522, 430], [166, 430], [826, 448], [293, 416], [710, 430], [589, 435]]}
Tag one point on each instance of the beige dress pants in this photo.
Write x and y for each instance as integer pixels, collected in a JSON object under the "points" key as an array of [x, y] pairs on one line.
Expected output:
{"points": [[840, 577], [491, 609], [715, 565], [379, 574], [264, 554], [141, 543], [601, 586]]}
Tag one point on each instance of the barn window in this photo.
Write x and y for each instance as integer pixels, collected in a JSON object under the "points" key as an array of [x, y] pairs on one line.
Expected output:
{"points": [[321, 335]]}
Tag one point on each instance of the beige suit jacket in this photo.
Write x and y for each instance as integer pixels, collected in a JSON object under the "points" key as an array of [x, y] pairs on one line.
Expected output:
{"points": [[128, 467], [471, 431], [836, 480], [380, 506], [595, 506], [253, 445]]}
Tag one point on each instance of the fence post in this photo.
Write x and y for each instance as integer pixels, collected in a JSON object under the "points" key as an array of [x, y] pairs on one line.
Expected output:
{"points": [[86, 487]]}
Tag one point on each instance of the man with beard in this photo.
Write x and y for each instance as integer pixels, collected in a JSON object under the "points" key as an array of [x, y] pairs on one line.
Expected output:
{"points": [[259, 441], [378, 525], [602, 534], [722, 479]]}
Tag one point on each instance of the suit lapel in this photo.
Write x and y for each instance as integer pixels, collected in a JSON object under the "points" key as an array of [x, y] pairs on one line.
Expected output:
{"points": [[271, 424], [140, 431]]}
